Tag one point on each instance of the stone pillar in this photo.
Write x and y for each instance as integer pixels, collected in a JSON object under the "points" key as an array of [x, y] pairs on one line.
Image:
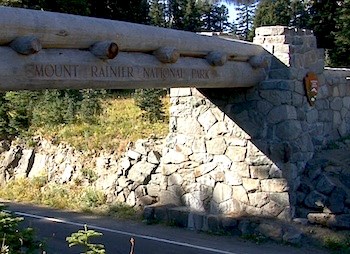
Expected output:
{"points": [[244, 150]]}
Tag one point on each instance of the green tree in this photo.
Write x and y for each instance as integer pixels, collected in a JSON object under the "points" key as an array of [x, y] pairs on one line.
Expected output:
{"points": [[4, 120], [19, 106], [79, 7], [14, 238], [135, 11], [299, 12], [245, 20], [215, 18], [149, 101], [324, 21], [157, 13], [340, 54], [272, 12], [83, 238]]}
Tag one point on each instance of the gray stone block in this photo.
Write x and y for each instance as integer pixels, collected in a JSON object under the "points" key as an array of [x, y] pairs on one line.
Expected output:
{"points": [[178, 216], [315, 200], [214, 223], [271, 230], [292, 235]]}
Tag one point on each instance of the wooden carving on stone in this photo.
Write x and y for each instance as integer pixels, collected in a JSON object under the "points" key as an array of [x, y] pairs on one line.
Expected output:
{"points": [[311, 86]]}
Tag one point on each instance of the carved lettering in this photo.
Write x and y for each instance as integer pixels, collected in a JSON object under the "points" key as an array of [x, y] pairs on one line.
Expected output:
{"points": [[56, 71], [113, 72], [163, 73], [110, 71], [200, 74]]}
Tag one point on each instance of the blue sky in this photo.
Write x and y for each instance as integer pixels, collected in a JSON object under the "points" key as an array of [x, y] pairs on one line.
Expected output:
{"points": [[231, 10]]}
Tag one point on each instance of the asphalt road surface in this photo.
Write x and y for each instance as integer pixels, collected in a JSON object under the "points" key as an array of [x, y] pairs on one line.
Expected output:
{"points": [[53, 226]]}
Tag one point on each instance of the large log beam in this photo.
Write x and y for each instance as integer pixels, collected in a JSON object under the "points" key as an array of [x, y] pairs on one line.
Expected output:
{"points": [[70, 68], [56, 30]]}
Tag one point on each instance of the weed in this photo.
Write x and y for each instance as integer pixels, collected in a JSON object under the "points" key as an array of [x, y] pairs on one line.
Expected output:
{"points": [[89, 174], [83, 238], [256, 238], [337, 245], [92, 198], [123, 211]]}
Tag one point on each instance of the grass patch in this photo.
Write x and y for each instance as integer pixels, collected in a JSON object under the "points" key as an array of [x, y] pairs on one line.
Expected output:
{"points": [[338, 245], [65, 196], [256, 238], [120, 122], [123, 211]]}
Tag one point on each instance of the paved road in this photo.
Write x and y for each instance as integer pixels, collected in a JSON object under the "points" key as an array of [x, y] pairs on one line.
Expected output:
{"points": [[54, 226]]}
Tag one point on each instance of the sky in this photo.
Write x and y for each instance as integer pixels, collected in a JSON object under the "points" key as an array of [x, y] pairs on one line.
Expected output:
{"points": [[231, 11]]}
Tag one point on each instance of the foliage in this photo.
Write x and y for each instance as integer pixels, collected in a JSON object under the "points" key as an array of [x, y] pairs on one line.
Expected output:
{"points": [[120, 122], [92, 198], [83, 238], [122, 211], [89, 174], [337, 245], [55, 107], [215, 18], [19, 106], [323, 21], [4, 118], [149, 101], [245, 20], [15, 239], [272, 13], [64, 196], [157, 13], [133, 10], [340, 54]]}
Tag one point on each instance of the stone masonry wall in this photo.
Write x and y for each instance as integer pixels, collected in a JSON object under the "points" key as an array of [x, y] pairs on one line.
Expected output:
{"points": [[243, 151]]}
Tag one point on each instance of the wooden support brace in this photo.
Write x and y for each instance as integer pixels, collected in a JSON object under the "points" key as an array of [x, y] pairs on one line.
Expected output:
{"points": [[259, 61], [26, 45], [167, 55], [105, 50], [216, 58]]}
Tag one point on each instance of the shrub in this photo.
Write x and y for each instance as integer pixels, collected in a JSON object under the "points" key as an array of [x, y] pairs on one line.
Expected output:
{"points": [[15, 239], [149, 101]]}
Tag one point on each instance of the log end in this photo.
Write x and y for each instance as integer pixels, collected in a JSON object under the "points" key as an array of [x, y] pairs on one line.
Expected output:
{"points": [[167, 55], [105, 50], [26, 45], [259, 61], [216, 58]]}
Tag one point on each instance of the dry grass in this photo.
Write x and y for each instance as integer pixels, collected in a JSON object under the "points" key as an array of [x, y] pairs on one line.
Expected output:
{"points": [[120, 123], [64, 196]]}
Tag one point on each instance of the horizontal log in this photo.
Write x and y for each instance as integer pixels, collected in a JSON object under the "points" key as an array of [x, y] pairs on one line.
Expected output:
{"points": [[76, 69], [57, 30]]}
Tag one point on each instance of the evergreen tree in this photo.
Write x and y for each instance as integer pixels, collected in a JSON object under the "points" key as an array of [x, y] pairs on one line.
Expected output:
{"points": [[135, 11], [340, 54], [192, 17], [157, 13], [324, 21], [215, 18], [4, 120], [245, 20], [185, 15], [272, 12], [149, 101], [20, 107], [299, 12], [176, 13]]}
